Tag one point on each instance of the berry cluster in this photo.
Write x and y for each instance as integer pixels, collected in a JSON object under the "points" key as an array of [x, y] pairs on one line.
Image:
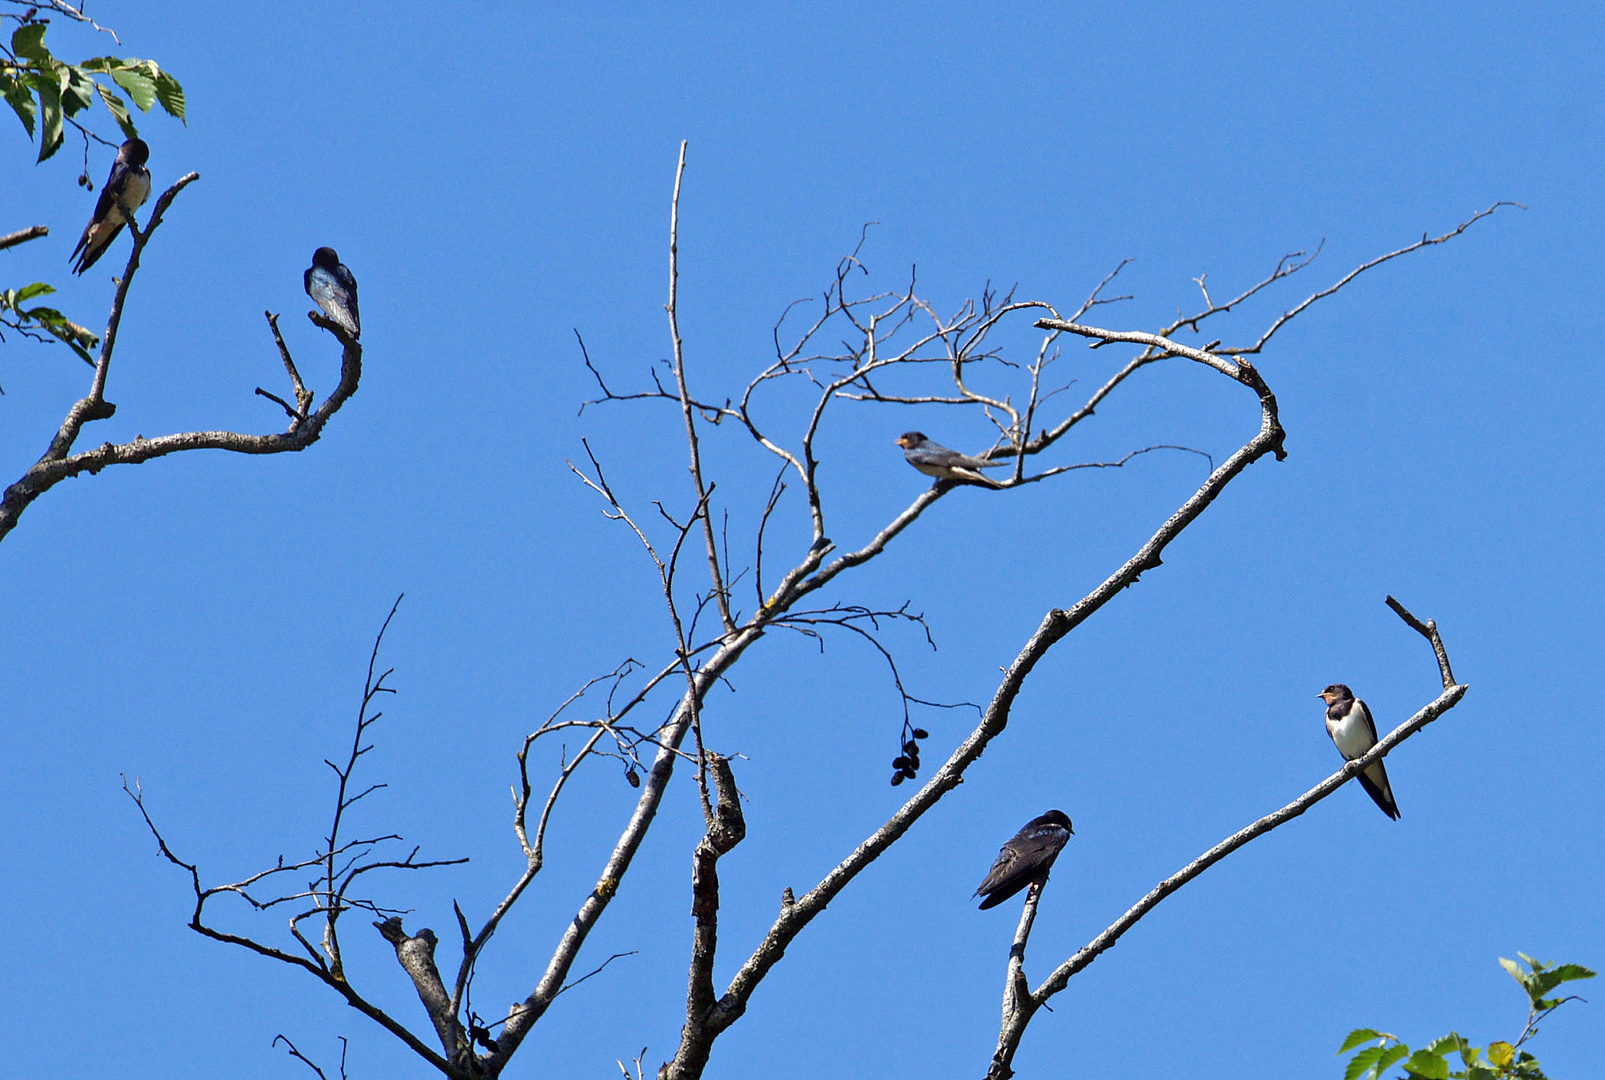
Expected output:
{"points": [[907, 763]]}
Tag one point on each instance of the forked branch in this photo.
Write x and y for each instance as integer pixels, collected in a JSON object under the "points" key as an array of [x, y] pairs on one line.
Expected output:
{"points": [[59, 462], [1025, 1006]]}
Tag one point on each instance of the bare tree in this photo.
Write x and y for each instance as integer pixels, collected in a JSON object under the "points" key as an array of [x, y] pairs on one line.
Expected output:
{"points": [[889, 348]]}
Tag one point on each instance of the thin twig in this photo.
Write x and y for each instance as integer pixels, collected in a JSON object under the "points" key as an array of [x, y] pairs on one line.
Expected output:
{"points": [[22, 236]]}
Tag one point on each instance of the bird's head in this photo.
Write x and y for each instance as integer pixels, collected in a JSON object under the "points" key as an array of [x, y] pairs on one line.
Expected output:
{"points": [[1335, 693], [1056, 817], [134, 152], [911, 440], [326, 258]]}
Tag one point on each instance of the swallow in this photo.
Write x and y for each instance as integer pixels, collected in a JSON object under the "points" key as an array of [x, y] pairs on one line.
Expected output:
{"points": [[1026, 859], [333, 289], [126, 190], [1349, 723], [934, 459]]}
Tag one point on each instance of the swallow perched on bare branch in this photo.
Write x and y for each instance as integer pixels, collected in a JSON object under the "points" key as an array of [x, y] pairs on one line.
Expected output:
{"points": [[126, 190], [334, 289], [934, 459], [1027, 858], [1349, 723]]}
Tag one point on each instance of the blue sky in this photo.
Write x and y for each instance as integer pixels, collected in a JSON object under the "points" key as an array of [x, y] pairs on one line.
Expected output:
{"points": [[498, 178]]}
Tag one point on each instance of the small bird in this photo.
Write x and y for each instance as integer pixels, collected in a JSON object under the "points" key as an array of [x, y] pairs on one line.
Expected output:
{"points": [[334, 290], [934, 459], [1026, 859], [126, 190], [1349, 723]]}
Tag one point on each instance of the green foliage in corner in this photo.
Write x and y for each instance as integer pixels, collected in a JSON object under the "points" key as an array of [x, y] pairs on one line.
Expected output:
{"points": [[1453, 1057]]}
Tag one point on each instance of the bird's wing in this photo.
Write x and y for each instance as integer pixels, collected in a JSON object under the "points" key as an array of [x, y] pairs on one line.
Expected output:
{"points": [[1008, 858], [103, 206], [1030, 852], [1370, 724], [973, 476]]}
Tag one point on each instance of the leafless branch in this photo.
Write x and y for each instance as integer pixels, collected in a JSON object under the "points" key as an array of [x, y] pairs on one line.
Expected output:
{"points": [[598, 969], [22, 236], [725, 829], [1286, 265], [59, 462], [1428, 630], [308, 1061], [61, 7], [1015, 1021], [1425, 241], [339, 864], [715, 574], [314, 964]]}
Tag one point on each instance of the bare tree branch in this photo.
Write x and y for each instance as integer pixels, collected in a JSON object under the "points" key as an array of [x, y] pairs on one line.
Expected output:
{"points": [[61, 7], [339, 865], [1425, 241], [22, 236], [308, 1061], [727, 829], [714, 574], [1015, 1022], [59, 462]]}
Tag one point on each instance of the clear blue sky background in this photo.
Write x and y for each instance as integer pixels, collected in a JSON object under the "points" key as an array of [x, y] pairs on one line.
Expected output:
{"points": [[498, 177]]}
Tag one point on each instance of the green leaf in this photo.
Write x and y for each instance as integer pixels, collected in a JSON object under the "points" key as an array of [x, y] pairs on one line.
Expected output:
{"points": [[29, 43], [28, 292], [1363, 1064], [77, 91], [1428, 1065], [141, 88], [171, 95], [118, 110], [1544, 979], [1566, 973], [1515, 970], [1501, 1053], [20, 98], [50, 119], [1444, 1044], [1390, 1056], [1358, 1036]]}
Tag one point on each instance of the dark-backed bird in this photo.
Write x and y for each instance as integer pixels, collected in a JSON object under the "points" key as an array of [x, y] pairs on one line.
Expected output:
{"points": [[126, 190], [1026, 859], [934, 459], [1349, 723], [333, 289]]}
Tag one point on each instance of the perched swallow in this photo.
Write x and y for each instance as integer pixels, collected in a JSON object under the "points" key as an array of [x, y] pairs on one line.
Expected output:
{"points": [[1026, 859], [126, 190], [934, 459], [1349, 723], [334, 290]]}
